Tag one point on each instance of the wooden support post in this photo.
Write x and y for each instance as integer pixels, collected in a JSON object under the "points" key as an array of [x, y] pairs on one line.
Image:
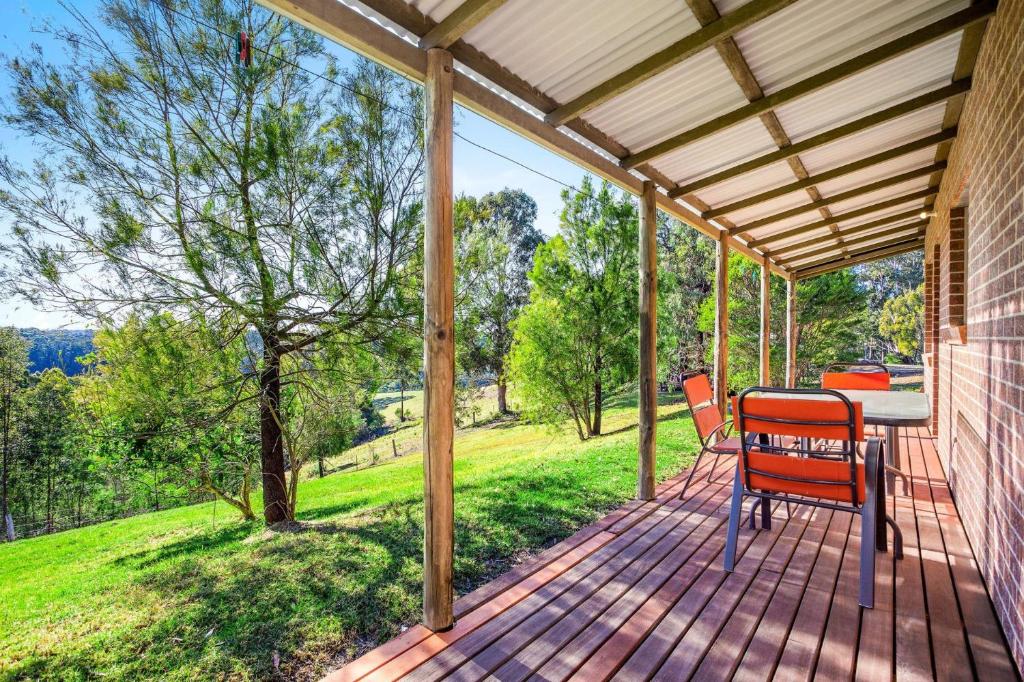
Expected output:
{"points": [[791, 333], [438, 345], [648, 339], [722, 320], [766, 316]]}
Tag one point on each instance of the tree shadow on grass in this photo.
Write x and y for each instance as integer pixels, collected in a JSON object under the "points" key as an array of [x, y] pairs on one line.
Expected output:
{"points": [[232, 597]]}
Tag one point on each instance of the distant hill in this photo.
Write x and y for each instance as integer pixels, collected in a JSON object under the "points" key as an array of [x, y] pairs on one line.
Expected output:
{"points": [[57, 348]]}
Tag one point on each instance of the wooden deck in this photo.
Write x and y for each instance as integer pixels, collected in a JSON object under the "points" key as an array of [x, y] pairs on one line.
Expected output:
{"points": [[641, 594]]}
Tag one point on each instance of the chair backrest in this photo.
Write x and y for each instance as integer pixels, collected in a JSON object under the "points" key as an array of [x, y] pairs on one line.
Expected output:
{"points": [[707, 416], [859, 376], [776, 426]]}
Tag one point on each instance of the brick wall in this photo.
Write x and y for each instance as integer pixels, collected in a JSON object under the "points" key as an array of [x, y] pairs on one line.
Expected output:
{"points": [[980, 384]]}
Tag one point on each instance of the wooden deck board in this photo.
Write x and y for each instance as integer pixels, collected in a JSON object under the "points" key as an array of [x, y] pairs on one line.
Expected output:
{"points": [[641, 593]]}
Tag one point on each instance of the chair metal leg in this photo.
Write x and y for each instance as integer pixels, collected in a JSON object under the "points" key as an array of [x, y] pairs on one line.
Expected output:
{"points": [[872, 515], [766, 515], [750, 515], [693, 470], [897, 537], [903, 476], [714, 465], [867, 553], [735, 512]]}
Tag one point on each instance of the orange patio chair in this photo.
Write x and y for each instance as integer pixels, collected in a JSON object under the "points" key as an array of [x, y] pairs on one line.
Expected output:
{"points": [[713, 430], [787, 470], [856, 376]]}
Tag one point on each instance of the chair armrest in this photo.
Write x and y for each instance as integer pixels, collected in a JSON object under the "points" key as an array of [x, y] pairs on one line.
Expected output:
{"points": [[874, 462], [723, 429]]}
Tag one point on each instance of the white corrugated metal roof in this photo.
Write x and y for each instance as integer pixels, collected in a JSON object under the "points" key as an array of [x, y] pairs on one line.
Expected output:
{"points": [[567, 47], [906, 76], [734, 145], [905, 129], [888, 169], [688, 94], [809, 37]]}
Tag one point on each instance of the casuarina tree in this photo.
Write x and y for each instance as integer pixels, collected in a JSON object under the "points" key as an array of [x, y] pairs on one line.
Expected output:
{"points": [[178, 175]]}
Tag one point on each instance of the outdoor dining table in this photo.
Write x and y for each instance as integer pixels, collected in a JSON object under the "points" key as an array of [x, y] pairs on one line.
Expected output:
{"points": [[891, 409]]}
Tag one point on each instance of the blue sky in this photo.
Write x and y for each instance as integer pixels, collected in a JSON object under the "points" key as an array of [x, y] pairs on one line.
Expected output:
{"points": [[476, 171]]}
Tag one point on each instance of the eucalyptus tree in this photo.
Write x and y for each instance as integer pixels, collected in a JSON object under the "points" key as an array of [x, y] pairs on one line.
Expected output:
{"points": [[279, 191], [13, 372], [499, 244]]}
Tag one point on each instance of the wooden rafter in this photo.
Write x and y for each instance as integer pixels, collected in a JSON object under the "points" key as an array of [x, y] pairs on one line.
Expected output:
{"points": [[865, 258], [849, 215], [907, 230], [863, 251], [970, 44], [841, 196], [854, 231], [956, 88], [732, 56], [459, 22], [878, 55], [838, 172], [708, 35]]}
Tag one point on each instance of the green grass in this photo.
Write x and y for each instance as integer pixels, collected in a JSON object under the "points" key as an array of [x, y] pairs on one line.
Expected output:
{"points": [[193, 593]]}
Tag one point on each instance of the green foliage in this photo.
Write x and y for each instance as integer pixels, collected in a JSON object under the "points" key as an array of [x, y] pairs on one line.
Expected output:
{"points": [[885, 280], [575, 343], [832, 322], [497, 239], [13, 376], [262, 198], [902, 322], [169, 398], [745, 325], [686, 272]]}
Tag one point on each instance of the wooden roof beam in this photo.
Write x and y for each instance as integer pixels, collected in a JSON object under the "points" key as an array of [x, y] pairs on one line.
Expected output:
{"points": [[841, 196], [679, 51], [903, 44], [863, 251], [849, 215], [851, 231], [907, 230], [896, 250], [459, 22], [956, 88], [838, 172]]}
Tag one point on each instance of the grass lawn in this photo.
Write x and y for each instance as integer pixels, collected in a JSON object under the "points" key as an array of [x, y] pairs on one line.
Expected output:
{"points": [[193, 593]]}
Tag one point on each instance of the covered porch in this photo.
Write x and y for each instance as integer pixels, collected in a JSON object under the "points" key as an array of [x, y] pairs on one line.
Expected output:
{"points": [[810, 136], [641, 594]]}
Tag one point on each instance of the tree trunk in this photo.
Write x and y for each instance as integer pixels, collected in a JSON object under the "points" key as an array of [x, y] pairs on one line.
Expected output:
{"points": [[275, 491], [4, 511], [598, 398], [502, 395], [49, 497], [401, 399]]}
